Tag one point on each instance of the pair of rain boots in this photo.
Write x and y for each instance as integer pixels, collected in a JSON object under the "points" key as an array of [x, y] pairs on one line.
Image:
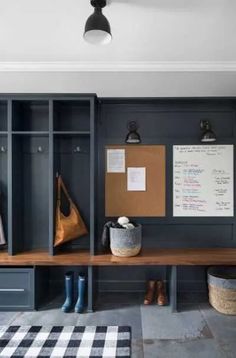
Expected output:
{"points": [[69, 291], [158, 288]]}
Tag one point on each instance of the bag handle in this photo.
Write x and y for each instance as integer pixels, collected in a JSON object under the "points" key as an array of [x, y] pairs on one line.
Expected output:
{"points": [[61, 186]]}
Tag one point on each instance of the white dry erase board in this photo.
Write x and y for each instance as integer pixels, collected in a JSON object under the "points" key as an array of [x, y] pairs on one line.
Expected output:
{"points": [[203, 180]]}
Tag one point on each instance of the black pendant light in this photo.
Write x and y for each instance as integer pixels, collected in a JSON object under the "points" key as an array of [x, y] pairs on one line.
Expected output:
{"points": [[133, 137], [97, 28], [208, 135]]}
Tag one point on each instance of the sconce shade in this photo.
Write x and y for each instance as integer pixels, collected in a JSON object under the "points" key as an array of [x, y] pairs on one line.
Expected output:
{"points": [[97, 28], [208, 135], [133, 136]]}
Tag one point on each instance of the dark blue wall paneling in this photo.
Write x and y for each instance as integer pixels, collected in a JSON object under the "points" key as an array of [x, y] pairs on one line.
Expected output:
{"points": [[168, 122]]}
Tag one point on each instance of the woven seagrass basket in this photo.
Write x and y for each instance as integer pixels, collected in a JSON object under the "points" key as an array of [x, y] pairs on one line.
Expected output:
{"points": [[222, 289], [126, 242]]}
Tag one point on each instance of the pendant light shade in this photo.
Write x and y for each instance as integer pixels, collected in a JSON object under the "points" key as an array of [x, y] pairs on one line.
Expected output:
{"points": [[97, 27]]}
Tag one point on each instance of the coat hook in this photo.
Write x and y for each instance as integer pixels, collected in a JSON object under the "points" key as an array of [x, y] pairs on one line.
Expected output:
{"points": [[3, 149], [77, 149], [40, 149]]}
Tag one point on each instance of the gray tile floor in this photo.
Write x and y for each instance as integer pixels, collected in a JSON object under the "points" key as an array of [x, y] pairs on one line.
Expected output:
{"points": [[197, 331]]}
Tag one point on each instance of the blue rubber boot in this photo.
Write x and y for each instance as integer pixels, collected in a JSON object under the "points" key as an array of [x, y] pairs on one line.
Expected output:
{"points": [[69, 281], [79, 306]]}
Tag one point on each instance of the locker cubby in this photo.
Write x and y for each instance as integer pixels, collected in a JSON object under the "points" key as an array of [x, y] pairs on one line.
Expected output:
{"points": [[72, 116], [3, 184], [3, 116], [72, 162], [41, 135], [30, 193], [28, 116]]}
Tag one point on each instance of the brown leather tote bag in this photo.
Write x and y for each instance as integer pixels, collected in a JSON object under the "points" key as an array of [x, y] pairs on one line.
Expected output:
{"points": [[67, 227]]}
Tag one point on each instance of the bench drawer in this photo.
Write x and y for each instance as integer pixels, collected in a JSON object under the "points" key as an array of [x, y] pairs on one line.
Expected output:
{"points": [[16, 289]]}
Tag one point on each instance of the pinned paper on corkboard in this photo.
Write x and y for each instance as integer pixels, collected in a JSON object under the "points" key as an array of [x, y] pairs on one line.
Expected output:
{"points": [[150, 202]]}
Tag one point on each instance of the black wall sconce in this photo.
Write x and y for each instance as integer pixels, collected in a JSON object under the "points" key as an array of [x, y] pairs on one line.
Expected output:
{"points": [[208, 136], [133, 137], [97, 28]]}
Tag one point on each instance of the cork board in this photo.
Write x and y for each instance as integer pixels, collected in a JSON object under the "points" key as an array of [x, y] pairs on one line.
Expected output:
{"points": [[152, 202]]}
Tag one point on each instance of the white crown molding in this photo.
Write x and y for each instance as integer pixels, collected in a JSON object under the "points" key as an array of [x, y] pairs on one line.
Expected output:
{"points": [[128, 66]]}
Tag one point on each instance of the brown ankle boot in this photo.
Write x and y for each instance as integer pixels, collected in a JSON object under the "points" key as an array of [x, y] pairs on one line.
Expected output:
{"points": [[161, 293], [149, 296]]}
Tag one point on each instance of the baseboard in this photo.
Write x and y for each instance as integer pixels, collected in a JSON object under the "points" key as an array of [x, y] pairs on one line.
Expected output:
{"points": [[184, 286], [192, 286], [120, 286], [139, 286]]}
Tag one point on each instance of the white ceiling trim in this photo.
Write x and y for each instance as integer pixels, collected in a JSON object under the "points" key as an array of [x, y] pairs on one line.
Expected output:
{"points": [[129, 66]]}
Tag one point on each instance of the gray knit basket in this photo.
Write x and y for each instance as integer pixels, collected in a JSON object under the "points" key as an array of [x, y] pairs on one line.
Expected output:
{"points": [[126, 242], [222, 289]]}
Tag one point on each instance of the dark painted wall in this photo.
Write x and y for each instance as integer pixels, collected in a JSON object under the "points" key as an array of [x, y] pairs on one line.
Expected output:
{"points": [[168, 122]]}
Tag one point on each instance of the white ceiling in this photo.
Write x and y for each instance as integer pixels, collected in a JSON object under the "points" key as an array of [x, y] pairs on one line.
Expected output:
{"points": [[143, 30], [148, 35]]}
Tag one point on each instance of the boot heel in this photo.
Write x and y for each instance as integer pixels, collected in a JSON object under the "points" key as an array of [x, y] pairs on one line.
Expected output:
{"points": [[67, 305], [161, 293], [150, 292], [79, 306]]}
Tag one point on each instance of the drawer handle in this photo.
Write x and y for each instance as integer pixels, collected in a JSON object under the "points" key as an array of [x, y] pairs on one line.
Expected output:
{"points": [[12, 290]]}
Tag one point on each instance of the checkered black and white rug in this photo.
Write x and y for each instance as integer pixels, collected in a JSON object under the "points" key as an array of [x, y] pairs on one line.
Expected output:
{"points": [[65, 341]]}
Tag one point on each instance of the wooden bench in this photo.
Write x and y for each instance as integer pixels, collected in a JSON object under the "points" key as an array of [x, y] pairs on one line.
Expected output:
{"points": [[158, 257], [167, 257]]}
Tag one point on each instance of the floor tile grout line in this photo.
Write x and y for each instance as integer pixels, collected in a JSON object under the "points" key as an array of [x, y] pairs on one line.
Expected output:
{"points": [[16, 316], [141, 321], [214, 337], [205, 320]]}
